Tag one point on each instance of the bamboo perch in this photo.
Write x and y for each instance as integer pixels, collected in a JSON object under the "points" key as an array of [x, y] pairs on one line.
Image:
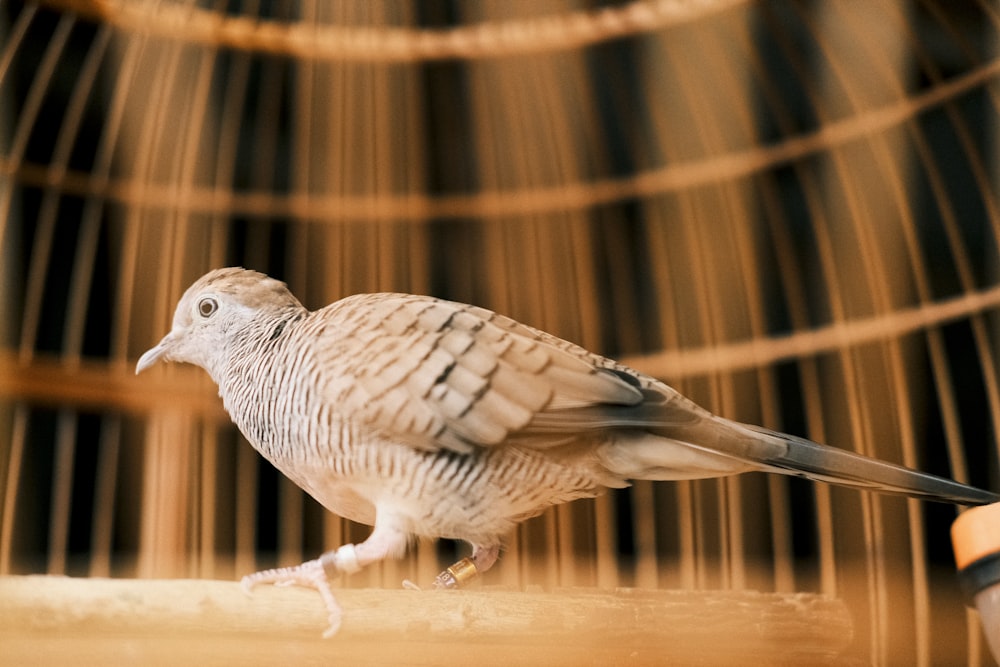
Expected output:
{"points": [[60, 620]]}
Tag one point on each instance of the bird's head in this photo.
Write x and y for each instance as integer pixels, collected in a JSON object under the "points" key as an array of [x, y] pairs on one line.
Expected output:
{"points": [[212, 310]]}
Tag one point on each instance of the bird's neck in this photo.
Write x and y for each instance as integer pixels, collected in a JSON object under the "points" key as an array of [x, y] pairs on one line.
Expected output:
{"points": [[252, 377]]}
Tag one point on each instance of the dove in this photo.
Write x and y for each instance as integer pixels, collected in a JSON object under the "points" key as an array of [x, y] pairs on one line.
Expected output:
{"points": [[429, 418]]}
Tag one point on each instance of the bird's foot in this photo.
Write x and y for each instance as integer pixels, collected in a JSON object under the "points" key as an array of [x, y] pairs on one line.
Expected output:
{"points": [[311, 574]]}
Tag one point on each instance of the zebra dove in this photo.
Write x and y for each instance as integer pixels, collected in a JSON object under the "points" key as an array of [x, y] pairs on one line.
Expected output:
{"points": [[424, 417]]}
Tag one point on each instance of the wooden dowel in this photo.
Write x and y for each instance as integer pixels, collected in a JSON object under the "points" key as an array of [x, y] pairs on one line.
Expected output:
{"points": [[50, 620]]}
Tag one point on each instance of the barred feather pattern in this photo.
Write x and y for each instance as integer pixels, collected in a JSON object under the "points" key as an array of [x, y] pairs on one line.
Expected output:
{"points": [[294, 398]]}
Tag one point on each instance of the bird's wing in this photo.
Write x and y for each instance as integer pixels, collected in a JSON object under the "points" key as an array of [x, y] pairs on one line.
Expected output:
{"points": [[437, 374]]}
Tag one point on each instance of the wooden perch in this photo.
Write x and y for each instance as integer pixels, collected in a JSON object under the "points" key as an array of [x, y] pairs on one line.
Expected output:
{"points": [[61, 620]]}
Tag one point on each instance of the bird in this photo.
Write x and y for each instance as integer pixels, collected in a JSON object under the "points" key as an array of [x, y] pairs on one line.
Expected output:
{"points": [[423, 417]]}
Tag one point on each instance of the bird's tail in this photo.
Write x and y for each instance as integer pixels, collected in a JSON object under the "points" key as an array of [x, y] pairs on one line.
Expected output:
{"points": [[705, 445], [798, 456], [667, 437]]}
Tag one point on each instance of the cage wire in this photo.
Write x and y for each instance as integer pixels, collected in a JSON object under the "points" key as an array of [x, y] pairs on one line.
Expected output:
{"points": [[787, 210]]}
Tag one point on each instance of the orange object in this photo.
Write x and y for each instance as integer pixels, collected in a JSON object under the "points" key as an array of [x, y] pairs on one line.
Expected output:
{"points": [[976, 534], [975, 537]]}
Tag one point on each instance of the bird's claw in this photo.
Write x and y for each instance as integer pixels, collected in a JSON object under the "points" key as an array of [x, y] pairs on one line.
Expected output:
{"points": [[309, 575]]}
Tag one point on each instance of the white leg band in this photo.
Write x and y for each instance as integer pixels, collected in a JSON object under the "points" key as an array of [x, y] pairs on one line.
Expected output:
{"points": [[346, 559]]}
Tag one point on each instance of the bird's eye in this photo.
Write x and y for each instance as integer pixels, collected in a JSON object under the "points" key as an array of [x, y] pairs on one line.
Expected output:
{"points": [[207, 306]]}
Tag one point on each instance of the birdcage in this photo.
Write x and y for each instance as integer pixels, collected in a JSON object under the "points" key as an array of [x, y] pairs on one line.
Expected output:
{"points": [[787, 210]]}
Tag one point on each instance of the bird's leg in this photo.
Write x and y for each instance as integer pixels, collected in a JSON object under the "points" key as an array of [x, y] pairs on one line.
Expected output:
{"points": [[381, 544], [468, 569]]}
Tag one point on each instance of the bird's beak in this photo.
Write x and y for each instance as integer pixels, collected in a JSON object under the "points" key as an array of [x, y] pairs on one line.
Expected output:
{"points": [[154, 354]]}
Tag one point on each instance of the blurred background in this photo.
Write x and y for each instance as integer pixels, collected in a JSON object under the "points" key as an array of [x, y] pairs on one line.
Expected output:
{"points": [[787, 210]]}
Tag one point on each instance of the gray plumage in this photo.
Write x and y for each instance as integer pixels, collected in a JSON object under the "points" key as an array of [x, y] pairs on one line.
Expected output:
{"points": [[424, 417]]}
